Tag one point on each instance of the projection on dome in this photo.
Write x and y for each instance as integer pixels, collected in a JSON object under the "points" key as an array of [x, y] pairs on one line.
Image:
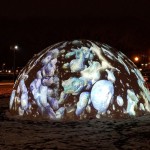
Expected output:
{"points": [[79, 79]]}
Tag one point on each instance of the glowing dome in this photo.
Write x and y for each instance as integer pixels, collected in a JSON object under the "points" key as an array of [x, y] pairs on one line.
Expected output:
{"points": [[77, 80]]}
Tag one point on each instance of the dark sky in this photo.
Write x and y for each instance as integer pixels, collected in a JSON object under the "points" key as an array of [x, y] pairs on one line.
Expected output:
{"points": [[36, 24]]}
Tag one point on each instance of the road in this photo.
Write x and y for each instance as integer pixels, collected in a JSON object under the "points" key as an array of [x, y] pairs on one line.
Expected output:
{"points": [[6, 87]]}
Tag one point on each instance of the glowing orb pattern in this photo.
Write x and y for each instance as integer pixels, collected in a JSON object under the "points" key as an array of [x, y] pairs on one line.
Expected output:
{"points": [[79, 79]]}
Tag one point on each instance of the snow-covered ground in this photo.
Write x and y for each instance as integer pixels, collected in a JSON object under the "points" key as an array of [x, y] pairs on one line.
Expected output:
{"points": [[15, 133]]}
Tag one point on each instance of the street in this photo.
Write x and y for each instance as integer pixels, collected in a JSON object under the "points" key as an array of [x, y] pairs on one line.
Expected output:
{"points": [[6, 87]]}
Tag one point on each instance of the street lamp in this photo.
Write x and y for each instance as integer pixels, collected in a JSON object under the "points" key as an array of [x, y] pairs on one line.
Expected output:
{"points": [[14, 48], [136, 59]]}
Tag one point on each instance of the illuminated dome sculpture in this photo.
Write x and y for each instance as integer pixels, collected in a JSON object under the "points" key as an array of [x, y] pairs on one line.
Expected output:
{"points": [[79, 79]]}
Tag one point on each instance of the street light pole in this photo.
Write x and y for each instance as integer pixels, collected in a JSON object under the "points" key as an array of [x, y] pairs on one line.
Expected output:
{"points": [[14, 48], [14, 65]]}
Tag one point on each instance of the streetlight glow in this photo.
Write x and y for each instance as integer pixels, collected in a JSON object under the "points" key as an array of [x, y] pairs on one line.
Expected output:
{"points": [[136, 59], [16, 47]]}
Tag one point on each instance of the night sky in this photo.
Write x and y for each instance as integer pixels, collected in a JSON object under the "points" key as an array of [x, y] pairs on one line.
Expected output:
{"points": [[36, 24]]}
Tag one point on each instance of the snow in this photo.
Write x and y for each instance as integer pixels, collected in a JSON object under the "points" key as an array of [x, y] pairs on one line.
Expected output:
{"points": [[24, 133]]}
